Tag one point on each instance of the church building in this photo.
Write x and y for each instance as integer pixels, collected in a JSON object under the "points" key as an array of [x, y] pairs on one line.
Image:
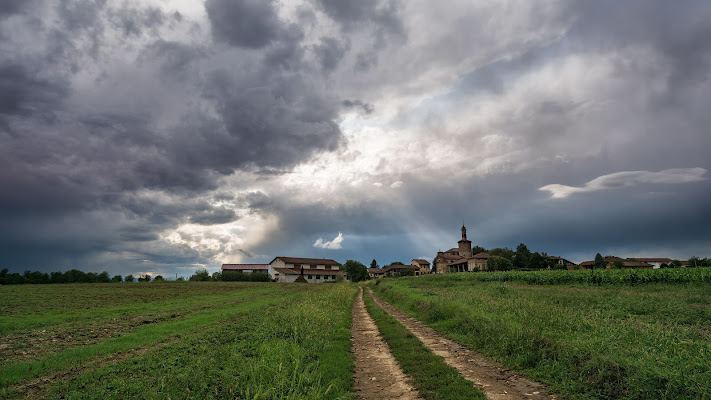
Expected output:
{"points": [[460, 259]]}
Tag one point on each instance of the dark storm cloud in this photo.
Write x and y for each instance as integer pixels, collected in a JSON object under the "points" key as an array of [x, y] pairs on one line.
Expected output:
{"points": [[8, 7], [330, 52], [678, 29], [25, 93], [74, 154], [214, 216], [244, 23], [365, 108], [352, 13]]}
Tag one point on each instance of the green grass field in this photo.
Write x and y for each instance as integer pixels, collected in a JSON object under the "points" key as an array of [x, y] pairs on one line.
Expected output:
{"points": [[176, 340], [601, 334], [629, 338]]}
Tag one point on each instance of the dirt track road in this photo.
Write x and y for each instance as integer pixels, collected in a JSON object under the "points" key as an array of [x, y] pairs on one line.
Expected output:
{"points": [[378, 375], [497, 382]]}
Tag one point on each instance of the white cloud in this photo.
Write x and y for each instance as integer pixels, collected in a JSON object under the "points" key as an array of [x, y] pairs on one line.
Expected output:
{"points": [[627, 179], [334, 244]]}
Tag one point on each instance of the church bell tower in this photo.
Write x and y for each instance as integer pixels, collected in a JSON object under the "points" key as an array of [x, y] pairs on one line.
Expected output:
{"points": [[465, 245]]}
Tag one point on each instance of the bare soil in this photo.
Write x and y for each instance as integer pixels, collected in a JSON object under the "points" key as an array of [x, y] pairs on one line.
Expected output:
{"points": [[496, 381], [33, 344], [377, 373]]}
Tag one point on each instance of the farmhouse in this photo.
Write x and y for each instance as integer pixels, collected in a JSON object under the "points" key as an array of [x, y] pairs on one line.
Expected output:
{"points": [[245, 268], [314, 270], [562, 262], [422, 265], [394, 270], [626, 263], [376, 272]]}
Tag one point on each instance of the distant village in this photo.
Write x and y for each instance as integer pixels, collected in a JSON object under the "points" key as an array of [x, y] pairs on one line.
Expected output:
{"points": [[463, 258], [460, 259]]}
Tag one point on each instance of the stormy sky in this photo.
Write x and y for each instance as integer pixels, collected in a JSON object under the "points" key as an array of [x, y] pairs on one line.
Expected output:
{"points": [[159, 136]]}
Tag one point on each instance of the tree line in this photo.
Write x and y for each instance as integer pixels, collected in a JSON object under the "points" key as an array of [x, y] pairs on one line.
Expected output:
{"points": [[505, 259], [77, 276], [71, 276]]}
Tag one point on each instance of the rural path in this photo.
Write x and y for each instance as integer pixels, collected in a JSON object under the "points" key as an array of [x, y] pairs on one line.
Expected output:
{"points": [[377, 373], [496, 381]]}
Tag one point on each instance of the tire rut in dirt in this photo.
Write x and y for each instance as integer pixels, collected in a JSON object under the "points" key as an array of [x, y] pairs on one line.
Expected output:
{"points": [[377, 373]]}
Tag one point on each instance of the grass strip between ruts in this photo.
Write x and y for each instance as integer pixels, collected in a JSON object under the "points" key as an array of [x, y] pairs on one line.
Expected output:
{"points": [[432, 377]]}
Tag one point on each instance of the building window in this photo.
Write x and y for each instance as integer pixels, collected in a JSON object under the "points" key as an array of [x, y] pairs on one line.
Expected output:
{"points": [[333, 276], [318, 276], [311, 277]]}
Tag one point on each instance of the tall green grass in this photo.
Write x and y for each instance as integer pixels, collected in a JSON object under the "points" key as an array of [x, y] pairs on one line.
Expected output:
{"points": [[586, 341], [297, 348], [595, 277]]}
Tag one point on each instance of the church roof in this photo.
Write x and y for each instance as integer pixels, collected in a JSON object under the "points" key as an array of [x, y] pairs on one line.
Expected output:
{"points": [[482, 255]]}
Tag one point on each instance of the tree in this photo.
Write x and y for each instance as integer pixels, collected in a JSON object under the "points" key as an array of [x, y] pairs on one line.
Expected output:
{"points": [[498, 264], [522, 256], [695, 262], [117, 278], [599, 262], [503, 252], [356, 271], [618, 264], [675, 264], [129, 278], [158, 278], [374, 264], [200, 275], [145, 278], [103, 277], [538, 261], [478, 249]]}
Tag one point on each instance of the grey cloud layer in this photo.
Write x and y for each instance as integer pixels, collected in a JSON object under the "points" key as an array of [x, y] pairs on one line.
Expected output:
{"points": [[129, 119], [85, 120]]}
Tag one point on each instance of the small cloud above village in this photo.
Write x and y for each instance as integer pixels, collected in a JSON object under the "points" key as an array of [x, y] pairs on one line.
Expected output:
{"points": [[625, 179], [334, 244]]}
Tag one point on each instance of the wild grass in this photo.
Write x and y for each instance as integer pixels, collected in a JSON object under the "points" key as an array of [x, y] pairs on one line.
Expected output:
{"points": [[257, 341], [586, 341], [629, 277], [432, 377], [295, 350]]}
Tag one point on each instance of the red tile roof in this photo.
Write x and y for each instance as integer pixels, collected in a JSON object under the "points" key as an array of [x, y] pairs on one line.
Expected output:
{"points": [[241, 267], [482, 255], [422, 261], [396, 267], [654, 260], [309, 271], [310, 261], [637, 264]]}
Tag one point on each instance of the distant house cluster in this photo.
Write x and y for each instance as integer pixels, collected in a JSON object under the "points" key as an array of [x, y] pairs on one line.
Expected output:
{"points": [[417, 268], [293, 269], [462, 259], [613, 262]]}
